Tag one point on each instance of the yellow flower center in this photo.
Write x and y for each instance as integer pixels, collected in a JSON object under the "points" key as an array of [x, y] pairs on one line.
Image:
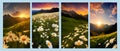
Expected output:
{"points": [[78, 43], [23, 39], [49, 44]]}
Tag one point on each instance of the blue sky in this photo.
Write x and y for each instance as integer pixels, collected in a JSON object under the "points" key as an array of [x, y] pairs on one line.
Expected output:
{"points": [[106, 13]]}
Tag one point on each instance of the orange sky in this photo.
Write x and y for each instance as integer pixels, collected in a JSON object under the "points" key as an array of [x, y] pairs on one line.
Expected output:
{"points": [[45, 6], [78, 8], [21, 10]]}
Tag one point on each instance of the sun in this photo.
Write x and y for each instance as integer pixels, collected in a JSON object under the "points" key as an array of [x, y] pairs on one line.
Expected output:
{"points": [[99, 23], [21, 15]]}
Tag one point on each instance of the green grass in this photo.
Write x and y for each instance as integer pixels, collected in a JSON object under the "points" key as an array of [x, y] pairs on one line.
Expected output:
{"points": [[46, 23], [16, 29], [68, 25], [41, 41], [94, 40], [19, 27]]}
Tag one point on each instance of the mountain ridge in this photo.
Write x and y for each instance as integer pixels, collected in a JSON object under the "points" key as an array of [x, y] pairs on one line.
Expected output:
{"points": [[45, 11], [73, 14], [94, 30], [8, 20]]}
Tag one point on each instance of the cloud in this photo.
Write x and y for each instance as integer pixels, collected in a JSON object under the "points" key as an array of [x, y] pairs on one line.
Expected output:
{"points": [[114, 10], [46, 6], [105, 12], [16, 13], [113, 13], [112, 18], [93, 16], [97, 8], [96, 11], [5, 5]]}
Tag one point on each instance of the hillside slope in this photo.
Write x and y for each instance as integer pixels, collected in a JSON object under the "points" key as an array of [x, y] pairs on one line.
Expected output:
{"points": [[69, 34], [104, 40], [19, 27]]}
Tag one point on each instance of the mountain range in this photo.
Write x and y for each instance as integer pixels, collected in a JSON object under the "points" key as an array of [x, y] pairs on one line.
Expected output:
{"points": [[45, 11], [104, 28], [73, 14], [8, 20]]}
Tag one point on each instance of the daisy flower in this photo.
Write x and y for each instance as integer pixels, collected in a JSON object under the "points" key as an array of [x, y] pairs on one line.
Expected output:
{"points": [[115, 46], [39, 46], [5, 46], [56, 29], [75, 34], [11, 35], [15, 38], [107, 44], [78, 43], [83, 38], [40, 29], [112, 40], [6, 39], [54, 25], [76, 29], [48, 43], [24, 39], [54, 34], [34, 30]]}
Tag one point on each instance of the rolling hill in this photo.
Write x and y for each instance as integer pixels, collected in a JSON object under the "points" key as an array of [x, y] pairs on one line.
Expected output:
{"points": [[8, 20], [103, 40], [70, 21], [19, 27]]}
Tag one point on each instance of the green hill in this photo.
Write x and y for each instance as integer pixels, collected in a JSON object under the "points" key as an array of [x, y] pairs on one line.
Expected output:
{"points": [[68, 24], [19, 27], [70, 36], [101, 40], [17, 31]]}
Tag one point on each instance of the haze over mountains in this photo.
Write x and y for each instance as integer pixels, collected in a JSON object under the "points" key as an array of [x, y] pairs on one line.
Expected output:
{"points": [[104, 28]]}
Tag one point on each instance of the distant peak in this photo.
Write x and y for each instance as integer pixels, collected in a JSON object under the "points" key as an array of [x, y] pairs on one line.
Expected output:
{"points": [[7, 15]]}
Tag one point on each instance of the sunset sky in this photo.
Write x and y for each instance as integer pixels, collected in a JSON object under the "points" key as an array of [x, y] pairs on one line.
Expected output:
{"points": [[103, 13], [17, 9], [45, 6], [79, 8]]}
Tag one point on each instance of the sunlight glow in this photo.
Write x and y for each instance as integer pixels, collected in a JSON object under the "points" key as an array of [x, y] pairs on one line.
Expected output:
{"points": [[22, 15], [99, 23]]}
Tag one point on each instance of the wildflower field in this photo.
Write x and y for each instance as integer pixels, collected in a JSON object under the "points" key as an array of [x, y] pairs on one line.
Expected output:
{"points": [[104, 41], [17, 36], [16, 25], [74, 33], [45, 30]]}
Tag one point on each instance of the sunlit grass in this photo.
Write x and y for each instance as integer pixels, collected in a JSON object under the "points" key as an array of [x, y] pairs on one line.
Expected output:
{"points": [[103, 40], [17, 36]]}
